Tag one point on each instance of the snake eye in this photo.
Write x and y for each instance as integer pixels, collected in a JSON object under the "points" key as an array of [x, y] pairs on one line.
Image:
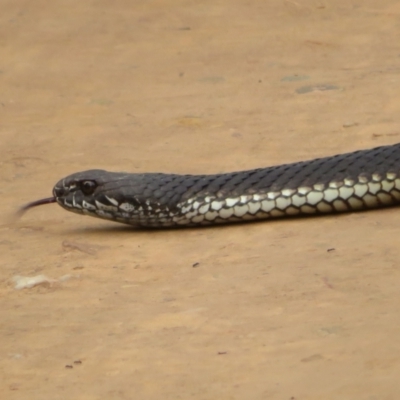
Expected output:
{"points": [[88, 187]]}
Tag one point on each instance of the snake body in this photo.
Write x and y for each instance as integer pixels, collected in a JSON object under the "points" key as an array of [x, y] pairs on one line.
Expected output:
{"points": [[359, 180]]}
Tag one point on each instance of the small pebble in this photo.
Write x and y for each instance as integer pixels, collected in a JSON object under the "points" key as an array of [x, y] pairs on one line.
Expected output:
{"points": [[349, 124]]}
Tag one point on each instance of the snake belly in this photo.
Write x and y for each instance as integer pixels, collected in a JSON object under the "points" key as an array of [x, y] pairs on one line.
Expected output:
{"points": [[354, 181]]}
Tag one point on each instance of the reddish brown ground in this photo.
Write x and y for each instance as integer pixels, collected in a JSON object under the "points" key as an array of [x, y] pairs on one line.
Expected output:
{"points": [[290, 309]]}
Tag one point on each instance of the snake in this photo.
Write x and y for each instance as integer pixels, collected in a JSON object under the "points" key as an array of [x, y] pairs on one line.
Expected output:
{"points": [[359, 180]]}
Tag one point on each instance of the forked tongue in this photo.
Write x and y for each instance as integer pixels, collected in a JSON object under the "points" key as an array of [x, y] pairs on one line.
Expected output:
{"points": [[26, 207]]}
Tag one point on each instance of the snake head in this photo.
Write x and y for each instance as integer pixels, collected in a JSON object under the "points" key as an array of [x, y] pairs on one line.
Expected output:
{"points": [[142, 200], [136, 199], [92, 193], [117, 196]]}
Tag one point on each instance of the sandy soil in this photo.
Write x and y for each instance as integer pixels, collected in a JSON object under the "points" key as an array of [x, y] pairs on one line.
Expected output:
{"points": [[289, 309]]}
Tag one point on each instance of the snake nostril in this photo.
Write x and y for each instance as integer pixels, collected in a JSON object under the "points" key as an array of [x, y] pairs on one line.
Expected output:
{"points": [[59, 191]]}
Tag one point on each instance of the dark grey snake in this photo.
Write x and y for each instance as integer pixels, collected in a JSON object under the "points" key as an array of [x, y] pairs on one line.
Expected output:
{"points": [[348, 182]]}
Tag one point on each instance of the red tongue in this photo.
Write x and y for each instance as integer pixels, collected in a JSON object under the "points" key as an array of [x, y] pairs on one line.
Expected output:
{"points": [[26, 207]]}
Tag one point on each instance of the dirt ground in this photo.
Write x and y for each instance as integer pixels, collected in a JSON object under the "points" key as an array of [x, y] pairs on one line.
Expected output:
{"points": [[289, 309]]}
